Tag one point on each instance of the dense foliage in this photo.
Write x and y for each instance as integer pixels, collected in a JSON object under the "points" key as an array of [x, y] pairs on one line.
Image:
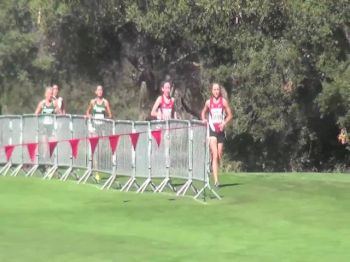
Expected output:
{"points": [[284, 65]]}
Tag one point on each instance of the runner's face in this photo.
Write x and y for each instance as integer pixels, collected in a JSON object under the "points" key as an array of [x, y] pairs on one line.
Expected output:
{"points": [[55, 90], [99, 91], [166, 89], [48, 94], [216, 90]]}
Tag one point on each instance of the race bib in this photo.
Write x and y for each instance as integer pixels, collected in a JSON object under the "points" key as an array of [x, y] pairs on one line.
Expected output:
{"points": [[99, 116], [216, 115], [48, 120], [166, 113]]}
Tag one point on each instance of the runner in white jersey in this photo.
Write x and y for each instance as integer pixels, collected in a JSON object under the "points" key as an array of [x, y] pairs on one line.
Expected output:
{"points": [[58, 99], [219, 114], [163, 108]]}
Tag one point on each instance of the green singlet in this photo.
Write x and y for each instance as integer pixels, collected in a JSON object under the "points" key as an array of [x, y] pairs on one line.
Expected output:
{"points": [[48, 109], [48, 121], [99, 111]]}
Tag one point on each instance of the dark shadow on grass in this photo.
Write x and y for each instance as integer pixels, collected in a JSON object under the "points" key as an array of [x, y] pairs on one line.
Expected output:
{"points": [[179, 184], [229, 185]]}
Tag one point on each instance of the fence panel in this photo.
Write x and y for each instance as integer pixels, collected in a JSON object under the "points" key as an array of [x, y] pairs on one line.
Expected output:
{"points": [[80, 130], [4, 137], [2, 144], [179, 148], [63, 133], [16, 136], [159, 153], [170, 157], [199, 150], [30, 135], [47, 132], [142, 153], [124, 149], [103, 158]]}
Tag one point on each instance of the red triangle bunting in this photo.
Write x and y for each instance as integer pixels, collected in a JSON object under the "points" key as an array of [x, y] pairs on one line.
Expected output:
{"points": [[8, 151], [113, 142], [134, 138], [32, 147], [74, 146], [52, 146], [93, 143], [157, 135]]}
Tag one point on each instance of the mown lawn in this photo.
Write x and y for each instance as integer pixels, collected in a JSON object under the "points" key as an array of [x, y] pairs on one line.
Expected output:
{"points": [[262, 217]]}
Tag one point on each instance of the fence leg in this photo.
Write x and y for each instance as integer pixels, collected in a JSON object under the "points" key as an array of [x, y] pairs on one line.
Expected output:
{"points": [[49, 173], [110, 181], [15, 172], [32, 171], [189, 184], [148, 182], [164, 183], [207, 185], [52, 172], [129, 183], [85, 177], [5, 168], [66, 174]]}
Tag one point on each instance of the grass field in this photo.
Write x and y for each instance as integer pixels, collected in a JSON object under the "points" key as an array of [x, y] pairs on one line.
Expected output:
{"points": [[270, 217]]}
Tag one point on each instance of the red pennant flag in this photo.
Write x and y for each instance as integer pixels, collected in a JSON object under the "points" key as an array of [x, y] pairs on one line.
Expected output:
{"points": [[134, 138], [113, 142], [74, 146], [93, 143], [32, 147], [52, 146], [157, 135], [8, 151]]}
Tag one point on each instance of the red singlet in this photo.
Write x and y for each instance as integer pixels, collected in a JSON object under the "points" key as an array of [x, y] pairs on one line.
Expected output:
{"points": [[216, 114]]}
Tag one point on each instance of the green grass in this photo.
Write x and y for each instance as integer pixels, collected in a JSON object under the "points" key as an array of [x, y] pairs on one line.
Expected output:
{"points": [[271, 217]]}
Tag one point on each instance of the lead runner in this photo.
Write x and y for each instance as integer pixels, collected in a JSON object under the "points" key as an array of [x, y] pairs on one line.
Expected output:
{"points": [[219, 114]]}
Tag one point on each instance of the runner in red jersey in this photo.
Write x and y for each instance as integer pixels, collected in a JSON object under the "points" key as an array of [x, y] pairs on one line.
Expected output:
{"points": [[163, 108], [219, 115]]}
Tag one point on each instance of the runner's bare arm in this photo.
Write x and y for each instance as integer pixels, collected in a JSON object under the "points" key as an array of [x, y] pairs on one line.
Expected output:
{"points": [[57, 108], [205, 111], [88, 111], [63, 108], [38, 108], [155, 107]]}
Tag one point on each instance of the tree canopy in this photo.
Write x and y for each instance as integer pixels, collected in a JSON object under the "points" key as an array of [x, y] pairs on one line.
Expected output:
{"points": [[284, 65]]}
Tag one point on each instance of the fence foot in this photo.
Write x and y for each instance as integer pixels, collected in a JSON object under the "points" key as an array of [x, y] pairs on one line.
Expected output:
{"points": [[85, 177], [32, 171], [165, 182], [66, 174], [148, 182], [189, 184], [5, 169], [129, 183], [110, 181], [17, 169], [202, 191], [49, 173]]}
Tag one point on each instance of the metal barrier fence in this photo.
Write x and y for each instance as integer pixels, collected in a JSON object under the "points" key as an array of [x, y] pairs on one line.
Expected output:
{"points": [[181, 155]]}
